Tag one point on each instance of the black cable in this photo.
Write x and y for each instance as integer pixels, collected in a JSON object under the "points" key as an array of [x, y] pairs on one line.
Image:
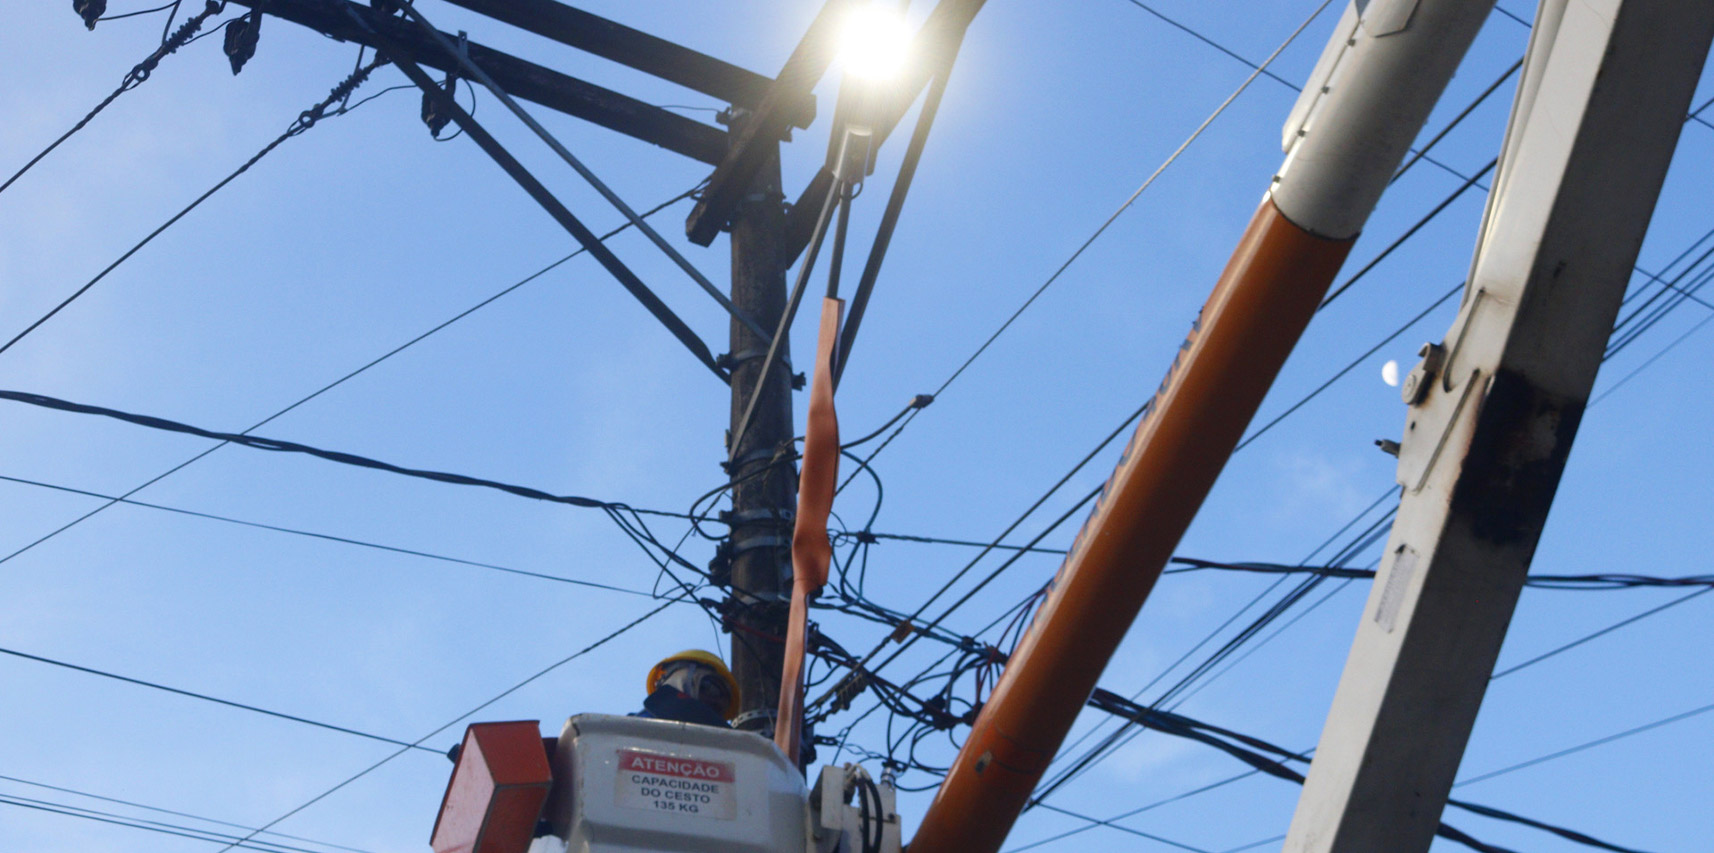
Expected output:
{"points": [[1597, 581], [302, 123], [283, 446], [1408, 233], [1586, 745], [347, 377], [1247, 751], [1598, 633], [182, 832], [1084, 246], [460, 718], [133, 78], [207, 698], [1117, 739], [948, 584], [120, 17], [1340, 374], [1418, 154], [326, 537], [159, 810]]}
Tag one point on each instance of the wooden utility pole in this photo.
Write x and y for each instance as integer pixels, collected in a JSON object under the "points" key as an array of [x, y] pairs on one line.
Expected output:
{"points": [[761, 466]]}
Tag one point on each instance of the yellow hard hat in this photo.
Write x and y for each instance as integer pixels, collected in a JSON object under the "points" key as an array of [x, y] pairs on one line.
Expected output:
{"points": [[708, 659]]}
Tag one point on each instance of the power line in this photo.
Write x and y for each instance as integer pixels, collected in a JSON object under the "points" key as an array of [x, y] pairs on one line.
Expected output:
{"points": [[133, 78], [330, 537], [302, 123], [1652, 359], [460, 718], [1114, 216], [1250, 749], [159, 810], [282, 446], [215, 699], [1587, 745], [345, 378], [1598, 633], [151, 826], [1419, 154]]}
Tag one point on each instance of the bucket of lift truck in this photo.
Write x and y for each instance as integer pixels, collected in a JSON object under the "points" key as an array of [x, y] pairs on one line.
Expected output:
{"points": [[499, 780], [611, 784]]}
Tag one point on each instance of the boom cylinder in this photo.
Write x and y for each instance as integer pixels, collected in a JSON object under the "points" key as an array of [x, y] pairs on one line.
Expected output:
{"points": [[1370, 93]]}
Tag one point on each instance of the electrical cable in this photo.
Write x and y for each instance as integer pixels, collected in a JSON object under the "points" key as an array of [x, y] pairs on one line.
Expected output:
{"points": [[216, 700], [282, 446], [122, 16], [1598, 633], [133, 78], [158, 810], [328, 537], [1293, 408], [1118, 738], [151, 826], [1694, 712], [958, 575], [456, 720], [305, 120], [1149, 181], [1418, 154], [1652, 359], [1176, 724], [346, 377]]}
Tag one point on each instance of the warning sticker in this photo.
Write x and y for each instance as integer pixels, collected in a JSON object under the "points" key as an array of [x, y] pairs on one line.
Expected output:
{"points": [[687, 786]]}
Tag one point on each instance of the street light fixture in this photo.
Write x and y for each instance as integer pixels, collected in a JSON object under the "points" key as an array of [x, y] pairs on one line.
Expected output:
{"points": [[874, 43]]}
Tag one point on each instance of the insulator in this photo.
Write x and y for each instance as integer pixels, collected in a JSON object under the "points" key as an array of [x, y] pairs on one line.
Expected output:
{"points": [[90, 10], [436, 117], [242, 34]]}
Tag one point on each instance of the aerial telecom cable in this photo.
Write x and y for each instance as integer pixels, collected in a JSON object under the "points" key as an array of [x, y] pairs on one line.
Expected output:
{"points": [[345, 377], [133, 78], [305, 120]]}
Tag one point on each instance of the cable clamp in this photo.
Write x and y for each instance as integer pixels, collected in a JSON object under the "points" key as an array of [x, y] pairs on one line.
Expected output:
{"points": [[740, 517], [766, 540], [732, 361]]}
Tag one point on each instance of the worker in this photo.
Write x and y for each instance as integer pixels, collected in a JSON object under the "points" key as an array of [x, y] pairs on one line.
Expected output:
{"points": [[691, 687]]}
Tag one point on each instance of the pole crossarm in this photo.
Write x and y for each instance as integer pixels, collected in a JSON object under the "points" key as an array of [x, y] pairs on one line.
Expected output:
{"points": [[586, 238], [353, 22], [650, 54], [754, 138], [475, 72], [1494, 410]]}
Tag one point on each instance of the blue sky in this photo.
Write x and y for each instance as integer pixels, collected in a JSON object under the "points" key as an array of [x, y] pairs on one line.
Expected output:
{"points": [[362, 233]]}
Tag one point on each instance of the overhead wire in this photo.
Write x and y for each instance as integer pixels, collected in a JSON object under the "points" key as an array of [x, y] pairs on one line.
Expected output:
{"points": [[305, 120], [1107, 223], [133, 78], [328, 537], [456, 720], [214, 699], [159, 810], [151, 826], [345, 378], [123, 15]]}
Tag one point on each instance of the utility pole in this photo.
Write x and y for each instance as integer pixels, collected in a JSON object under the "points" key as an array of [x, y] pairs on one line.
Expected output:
{"points": [[761, 467]]}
